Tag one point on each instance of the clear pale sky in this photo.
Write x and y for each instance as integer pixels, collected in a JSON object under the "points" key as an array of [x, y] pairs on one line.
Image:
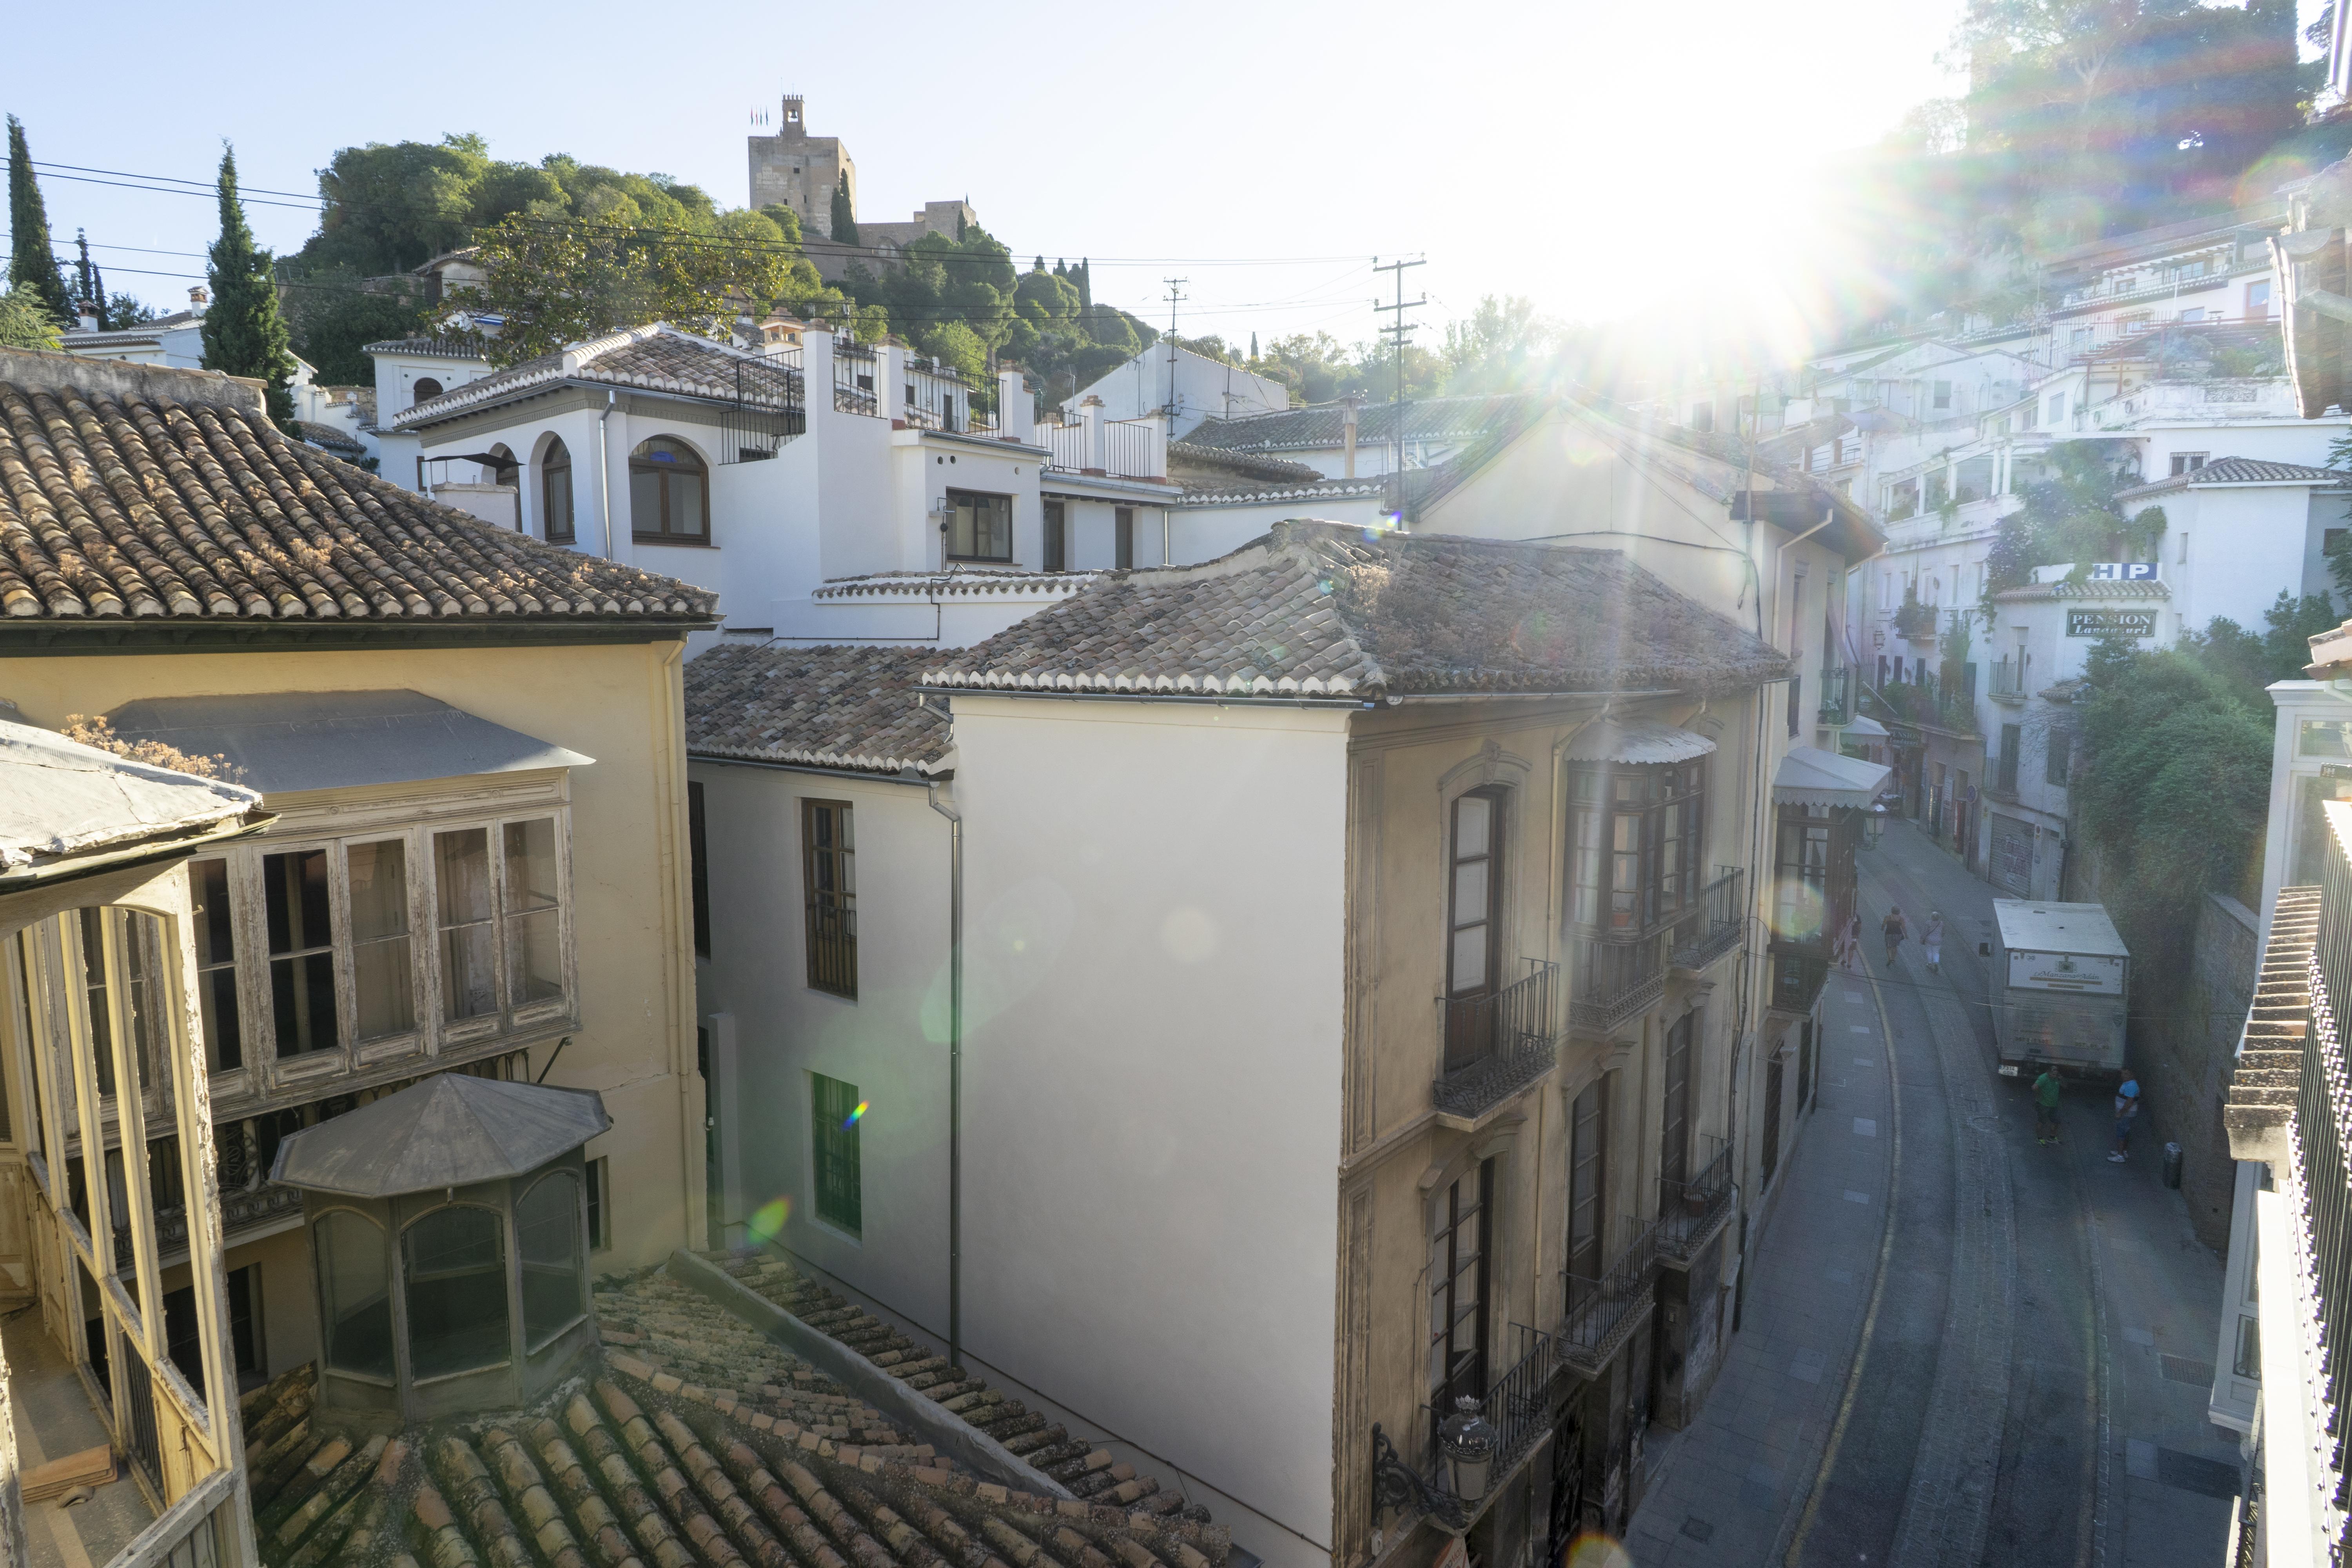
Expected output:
{"points": [[1600, 158]]}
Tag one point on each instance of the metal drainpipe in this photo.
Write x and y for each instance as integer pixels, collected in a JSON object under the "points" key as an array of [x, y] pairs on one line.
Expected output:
{"points": [[955, 1074], [604, 470]]}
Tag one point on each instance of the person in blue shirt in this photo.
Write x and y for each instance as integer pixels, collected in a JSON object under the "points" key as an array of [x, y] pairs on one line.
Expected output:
{"points": [[2126, 1111]]}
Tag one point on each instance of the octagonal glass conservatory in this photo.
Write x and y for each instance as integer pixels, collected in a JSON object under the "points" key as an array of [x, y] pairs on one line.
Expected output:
{"points": [[449, 1245]]}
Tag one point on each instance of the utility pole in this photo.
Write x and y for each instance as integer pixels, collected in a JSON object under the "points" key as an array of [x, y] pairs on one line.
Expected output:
{"points": [[1397, 332], [1175, 293]]}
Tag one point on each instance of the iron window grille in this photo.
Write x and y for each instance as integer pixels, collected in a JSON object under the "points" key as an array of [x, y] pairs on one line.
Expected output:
{"points": [[829, 872]]}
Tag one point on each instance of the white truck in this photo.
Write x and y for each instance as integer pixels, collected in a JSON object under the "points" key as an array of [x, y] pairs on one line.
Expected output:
{"points": [[2061, 984]]}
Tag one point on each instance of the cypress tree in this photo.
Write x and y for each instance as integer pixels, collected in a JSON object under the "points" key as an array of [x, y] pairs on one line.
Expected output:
{"points": [[32, 257], [243, 333], [1084, 273], [1253, 348], [845, 222]]}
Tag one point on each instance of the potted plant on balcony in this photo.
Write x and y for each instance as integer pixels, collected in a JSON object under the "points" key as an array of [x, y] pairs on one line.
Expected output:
{"points": [[1914, 622]]}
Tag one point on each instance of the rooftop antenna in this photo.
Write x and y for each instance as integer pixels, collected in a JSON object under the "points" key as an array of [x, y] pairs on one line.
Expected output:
{"points": [[1397, 332]]}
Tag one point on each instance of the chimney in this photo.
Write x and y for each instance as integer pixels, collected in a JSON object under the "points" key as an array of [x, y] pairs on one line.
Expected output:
{"points": [[87, 313], [197, 299], [1090, 412], [1016, 410], [1349, 403]]}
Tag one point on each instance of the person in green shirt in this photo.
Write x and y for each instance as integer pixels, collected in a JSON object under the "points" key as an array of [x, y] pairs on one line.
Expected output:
{"points": [[2046, 1090]]}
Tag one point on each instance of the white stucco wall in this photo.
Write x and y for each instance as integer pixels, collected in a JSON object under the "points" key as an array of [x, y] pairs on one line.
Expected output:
{"points": [[2227, 550], [1154, 1007], [1203, 389]]}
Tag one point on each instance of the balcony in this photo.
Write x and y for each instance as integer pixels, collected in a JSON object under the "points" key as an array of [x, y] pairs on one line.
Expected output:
{"points": [[1716, 925], [1614, 980], [1498, 1044], [1691, 1211], [1520, 1405], [1602, 1312], [1130, 449], [2008, 683], [1837, 696]]}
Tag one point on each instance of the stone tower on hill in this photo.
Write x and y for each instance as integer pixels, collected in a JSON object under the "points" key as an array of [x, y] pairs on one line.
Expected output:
{"points": [[801, 172]]}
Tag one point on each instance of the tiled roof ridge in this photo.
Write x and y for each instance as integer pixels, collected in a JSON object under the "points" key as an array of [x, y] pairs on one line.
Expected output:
{"points": [[149, 507], [1088, 1472], [1315, 490], [580, 361], [2267, 1075], [846, 705], [2240, 470], [984, 580], [2084, 590]]}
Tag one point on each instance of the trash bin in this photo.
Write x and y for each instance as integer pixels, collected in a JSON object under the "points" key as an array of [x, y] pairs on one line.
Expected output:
{"points": [[2172, 1165]]}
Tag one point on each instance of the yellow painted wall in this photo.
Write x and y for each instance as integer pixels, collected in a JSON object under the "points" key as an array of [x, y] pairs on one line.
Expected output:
{"points": [[620, 704]]}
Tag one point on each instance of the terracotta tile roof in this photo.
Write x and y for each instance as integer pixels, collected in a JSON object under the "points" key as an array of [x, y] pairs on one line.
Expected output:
{"points": [[1320, 609], [431, 347], [2239, 472], [657, 357], [1322, 425], [963, 582], [2035, 591], [819, 707], [137, 506], [637, 1464], [1088, 1472], [1184, 456]]}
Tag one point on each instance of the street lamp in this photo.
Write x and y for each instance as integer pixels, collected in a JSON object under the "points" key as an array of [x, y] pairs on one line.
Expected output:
{"points": [[1468, 1441], [1874, 824]]}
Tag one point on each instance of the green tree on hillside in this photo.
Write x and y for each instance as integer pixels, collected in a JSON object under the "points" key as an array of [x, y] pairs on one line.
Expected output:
{"points": [[32, 255], [243, 333]]}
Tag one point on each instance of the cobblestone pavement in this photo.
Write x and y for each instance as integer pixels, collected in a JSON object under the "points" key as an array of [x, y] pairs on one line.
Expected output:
{"points": [[2051, 1409]]}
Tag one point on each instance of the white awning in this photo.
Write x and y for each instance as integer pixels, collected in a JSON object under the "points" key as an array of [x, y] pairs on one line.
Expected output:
{"points": [[1637, 740], [1810, 776], [1865, 728]]}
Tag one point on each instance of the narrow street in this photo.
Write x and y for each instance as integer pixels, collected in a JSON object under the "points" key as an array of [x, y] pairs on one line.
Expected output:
{"points": [[1957, 1346]]}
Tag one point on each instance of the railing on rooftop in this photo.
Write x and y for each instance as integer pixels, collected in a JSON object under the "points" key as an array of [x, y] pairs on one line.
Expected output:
{"points": [[1131, 449], [1688, 1209], [854, 365], [768, 410], [1497, 1044], [934, 397]]}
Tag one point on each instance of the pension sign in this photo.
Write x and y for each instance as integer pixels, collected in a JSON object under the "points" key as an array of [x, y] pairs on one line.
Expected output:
{"points": [[2111, 623]]}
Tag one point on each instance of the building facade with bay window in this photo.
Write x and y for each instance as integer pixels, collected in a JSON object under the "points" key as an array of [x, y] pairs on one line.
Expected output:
{"points": [[468, 744], [1440, 996]]}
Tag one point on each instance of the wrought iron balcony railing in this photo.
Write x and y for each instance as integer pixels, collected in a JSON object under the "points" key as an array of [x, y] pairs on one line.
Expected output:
{"points": [[1613, 981], [1497, 1044], [1521, 1405], [1716, 925], [2008, 683], [1601, 1312], [1690, 1210]]}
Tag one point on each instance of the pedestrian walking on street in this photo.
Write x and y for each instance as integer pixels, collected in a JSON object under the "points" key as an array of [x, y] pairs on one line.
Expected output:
{"points": [[1849, 942], [2126, 1108], [2046, 1090], [1932, 939], [1896, 930]]}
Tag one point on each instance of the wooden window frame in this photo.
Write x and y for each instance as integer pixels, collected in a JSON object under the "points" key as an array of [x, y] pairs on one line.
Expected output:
{"points": [[836, 1171], [664, 532], [1122, 537], [1462, 1246], [263, 1070], [1666, 805], [949, 528], [1489, 915], [832, 949], [1054, 554], [557, 528], [1675, 1110], [1587, 1191]]}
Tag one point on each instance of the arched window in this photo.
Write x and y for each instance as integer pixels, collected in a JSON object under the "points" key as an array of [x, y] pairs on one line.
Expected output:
{"points": [[427, 388], [503, 467], [668, 493], [547, 1231], [453, 1268], [355, 1297], [555, 492]]}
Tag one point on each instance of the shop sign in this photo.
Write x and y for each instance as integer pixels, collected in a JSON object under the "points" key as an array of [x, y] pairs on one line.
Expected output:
{"points": [[2110, 623]]}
